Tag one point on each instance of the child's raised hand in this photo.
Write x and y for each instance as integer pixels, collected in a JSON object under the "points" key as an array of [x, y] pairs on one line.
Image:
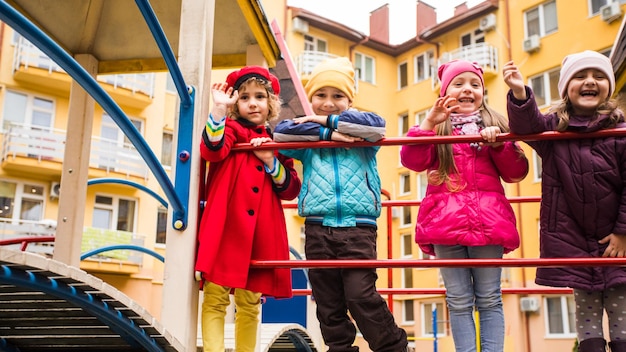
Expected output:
{"points": [[222, 96], [490, 134], [514, 79], [616, 247], [440, 112], [265, 155]]}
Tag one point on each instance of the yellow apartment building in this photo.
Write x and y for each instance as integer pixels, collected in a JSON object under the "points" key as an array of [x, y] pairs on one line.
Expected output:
{"points": [[399, 82], [396, 81]]}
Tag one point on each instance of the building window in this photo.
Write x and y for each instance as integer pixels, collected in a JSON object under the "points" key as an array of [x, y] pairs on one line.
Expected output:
{"points": [[406, 216], [595, 5], [423, 66], [114, 213], [403, 75], [170, 86], [407, 277], [161, 225], [21, 201], [315, 44], [545, 87], [541, 20], [166, 148], [405, 184], [403, 124], [537, 166], [472, 38], [365, 68], [422, 184], [559, 316], [27, 109], [406, 245], [431, 313], [408, 312]]}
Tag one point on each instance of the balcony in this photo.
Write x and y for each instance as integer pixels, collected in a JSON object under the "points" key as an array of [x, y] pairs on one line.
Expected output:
{"points": [[40, 150], [482, 53], [306, 61], [32, 66], [93, 238]]}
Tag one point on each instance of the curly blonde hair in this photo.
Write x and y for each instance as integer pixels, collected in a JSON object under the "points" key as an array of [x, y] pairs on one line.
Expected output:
{"points": [[274, 103]]}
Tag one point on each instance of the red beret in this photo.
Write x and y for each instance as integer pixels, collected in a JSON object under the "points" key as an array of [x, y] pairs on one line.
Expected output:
{"points": [[237, 77]]}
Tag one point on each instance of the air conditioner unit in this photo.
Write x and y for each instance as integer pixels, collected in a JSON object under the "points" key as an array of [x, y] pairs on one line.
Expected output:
{"points": [[488, 22], [300, 25], [531, 44], [55, 189], [395, 213], [610, 12], [529, 304]]}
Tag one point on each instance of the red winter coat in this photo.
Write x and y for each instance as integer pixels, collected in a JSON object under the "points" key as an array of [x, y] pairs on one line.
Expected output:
{"points": [[243, 219]]}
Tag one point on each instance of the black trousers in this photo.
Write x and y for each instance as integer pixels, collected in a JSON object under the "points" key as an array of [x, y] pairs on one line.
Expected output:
{"points": [[339, 291]]}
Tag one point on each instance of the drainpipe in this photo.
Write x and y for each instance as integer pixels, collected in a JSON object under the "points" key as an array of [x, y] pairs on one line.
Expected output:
{"points": [[361, 42]]}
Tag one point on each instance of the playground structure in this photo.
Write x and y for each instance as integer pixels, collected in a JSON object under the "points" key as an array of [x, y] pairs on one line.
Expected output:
{"points": [[175, 332]]}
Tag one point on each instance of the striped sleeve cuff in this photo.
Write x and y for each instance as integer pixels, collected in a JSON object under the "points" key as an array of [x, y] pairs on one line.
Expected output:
{"points": [[215, 129], [277, 172]]}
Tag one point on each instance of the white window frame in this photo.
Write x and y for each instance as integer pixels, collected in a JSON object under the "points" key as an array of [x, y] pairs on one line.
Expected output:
{"points": [[537, 166], [542, 20], [422, 184], [426, 313], [405, 304], [30, 109], [403, 76], [403, 123], [114, 208], [569, 331], [405, 179], [406, 252], [167, 152], [19, 196], [160, 212], [427, 59], [360, 65], [544, 78], [407, 282], [404, 224], [475, 37], [313, 43]]}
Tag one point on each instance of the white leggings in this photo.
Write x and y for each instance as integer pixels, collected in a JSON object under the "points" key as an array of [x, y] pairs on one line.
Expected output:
{"points": [[590, 307]]}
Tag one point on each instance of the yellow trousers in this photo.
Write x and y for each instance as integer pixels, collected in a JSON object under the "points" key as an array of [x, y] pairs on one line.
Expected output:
{"points": [[247, 305]]}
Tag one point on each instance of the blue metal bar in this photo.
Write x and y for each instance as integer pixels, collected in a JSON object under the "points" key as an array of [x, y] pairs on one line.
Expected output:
{"points": [[183, 160], [97, 181], [166, 50], [26, 28], [122, 246], [132, 333]]}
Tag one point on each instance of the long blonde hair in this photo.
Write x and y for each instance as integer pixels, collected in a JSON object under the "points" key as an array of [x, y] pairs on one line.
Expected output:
{"points": [[447, 172], [612, 107], [273, 104]]}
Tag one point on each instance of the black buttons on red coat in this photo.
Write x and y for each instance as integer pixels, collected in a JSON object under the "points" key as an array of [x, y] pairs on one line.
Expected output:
{"points": [[259, 130], [255, 189], [259, 167], [250, 212]]}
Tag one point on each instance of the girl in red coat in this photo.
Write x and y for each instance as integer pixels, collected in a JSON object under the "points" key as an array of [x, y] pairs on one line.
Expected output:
{"points": [[243, 218]]}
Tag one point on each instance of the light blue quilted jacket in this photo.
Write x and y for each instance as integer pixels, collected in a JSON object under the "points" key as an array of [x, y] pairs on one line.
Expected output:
{"points": [[341, 186]]}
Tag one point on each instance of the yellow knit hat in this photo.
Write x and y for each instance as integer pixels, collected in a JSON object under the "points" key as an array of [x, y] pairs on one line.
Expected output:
{"points": [[337, 73]]}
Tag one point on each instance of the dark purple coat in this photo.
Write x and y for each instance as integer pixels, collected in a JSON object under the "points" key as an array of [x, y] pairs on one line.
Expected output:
{"points": [[583, 195]]}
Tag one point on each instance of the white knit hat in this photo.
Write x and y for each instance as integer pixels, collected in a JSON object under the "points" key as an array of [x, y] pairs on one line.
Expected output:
{"points": [[584, 60]]}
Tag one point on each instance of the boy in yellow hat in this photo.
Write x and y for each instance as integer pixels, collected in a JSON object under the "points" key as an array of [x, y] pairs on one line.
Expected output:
{"points": [[340, 199]]}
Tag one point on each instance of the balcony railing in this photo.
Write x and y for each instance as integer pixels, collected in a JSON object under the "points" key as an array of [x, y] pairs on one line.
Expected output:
{"points": [[28, 55], [482, 53], [306, 61], [93, 238], [49, 144]]}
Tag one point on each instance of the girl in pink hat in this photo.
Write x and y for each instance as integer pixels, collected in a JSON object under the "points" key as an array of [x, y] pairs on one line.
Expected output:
{"points": [[465, 213], [583, 205]]}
